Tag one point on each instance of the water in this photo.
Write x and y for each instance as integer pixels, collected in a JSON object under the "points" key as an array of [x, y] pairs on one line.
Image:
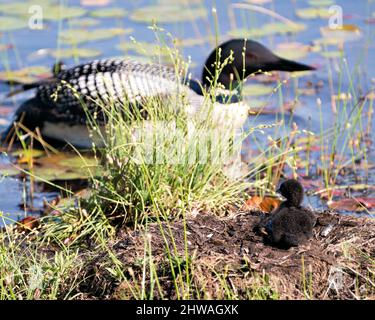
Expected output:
{"points": [[359, 54]]}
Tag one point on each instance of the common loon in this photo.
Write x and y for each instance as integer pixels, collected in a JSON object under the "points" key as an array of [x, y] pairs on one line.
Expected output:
{"points": [[58, 105], [289, 225]]}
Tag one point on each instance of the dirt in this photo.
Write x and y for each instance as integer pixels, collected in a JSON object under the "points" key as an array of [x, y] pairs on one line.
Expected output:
{"points": [[229, 260]]}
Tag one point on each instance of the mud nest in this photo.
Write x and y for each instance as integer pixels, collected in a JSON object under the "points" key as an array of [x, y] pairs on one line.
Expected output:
{"points": [[227, 259]]}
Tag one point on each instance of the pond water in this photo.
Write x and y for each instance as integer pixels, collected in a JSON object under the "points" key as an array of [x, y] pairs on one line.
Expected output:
{"points": [[25, 47]]}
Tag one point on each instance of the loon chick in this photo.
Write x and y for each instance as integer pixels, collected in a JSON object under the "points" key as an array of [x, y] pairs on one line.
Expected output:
{"points": [[63, 103], [290, 225]]}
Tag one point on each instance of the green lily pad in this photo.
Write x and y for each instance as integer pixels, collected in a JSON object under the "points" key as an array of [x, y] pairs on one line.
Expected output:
{"points": [[12, 23], [28, 154], [25, 75], [168, 14], [331, 54], [50, 11], [255, 90], [109, 13], [257, 104], [62, 12], [321, 3], [267, 29], [292, 51], [75, 52], [327, 41], [83, 22], [77, 36], [348, 32], [313, 13], [61, 166]]}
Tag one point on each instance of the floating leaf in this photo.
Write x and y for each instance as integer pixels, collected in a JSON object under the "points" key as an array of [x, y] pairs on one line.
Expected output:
{"points": [[267, 29], [61, 166], [12, 23], [84, 22], [62, 12], [75, 52], [25, 75], [347, 32], [313, 13], [292, 51], [109, 13], [50, 11], [332, 54], [77, 36], [25, 156], [257, 90], [168, 14], [321, 3]]}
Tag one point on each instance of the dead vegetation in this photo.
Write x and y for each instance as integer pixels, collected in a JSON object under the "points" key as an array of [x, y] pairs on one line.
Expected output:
{"points": [[223, 258]]}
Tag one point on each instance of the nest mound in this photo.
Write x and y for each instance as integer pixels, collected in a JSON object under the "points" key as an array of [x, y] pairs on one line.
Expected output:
{"points": [[227, 259]]}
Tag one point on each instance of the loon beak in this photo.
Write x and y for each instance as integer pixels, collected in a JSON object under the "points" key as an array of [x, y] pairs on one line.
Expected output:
{"points": [[291, 66], [278, 194]]}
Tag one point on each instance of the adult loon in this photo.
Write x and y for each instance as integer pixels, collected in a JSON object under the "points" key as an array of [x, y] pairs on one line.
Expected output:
{"points": [[289, 225], [58, 105]]}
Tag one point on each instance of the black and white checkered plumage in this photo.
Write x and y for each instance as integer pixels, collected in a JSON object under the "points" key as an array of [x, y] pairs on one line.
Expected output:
{"points": [[93, 85]]}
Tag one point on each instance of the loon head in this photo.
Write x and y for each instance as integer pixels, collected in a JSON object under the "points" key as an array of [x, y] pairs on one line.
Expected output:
{"points": [[249, 57], [292, 191]]}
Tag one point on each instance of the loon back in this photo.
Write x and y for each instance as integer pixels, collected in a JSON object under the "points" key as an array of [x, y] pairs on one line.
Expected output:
{"points": [[93, 85]]}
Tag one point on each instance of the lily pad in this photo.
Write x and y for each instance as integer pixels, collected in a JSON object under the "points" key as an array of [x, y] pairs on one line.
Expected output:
{"points": [[75, 52], [292, 51], [321, 3], [50, 11], [254, 90], [83, 22], [12, 23], [313, 13], [77, 36], [61, 166], [25, 75], [109, 13], [267, 29], [24, 156], [348, 32], [332, 54], [168, 14], [62, 12]]}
